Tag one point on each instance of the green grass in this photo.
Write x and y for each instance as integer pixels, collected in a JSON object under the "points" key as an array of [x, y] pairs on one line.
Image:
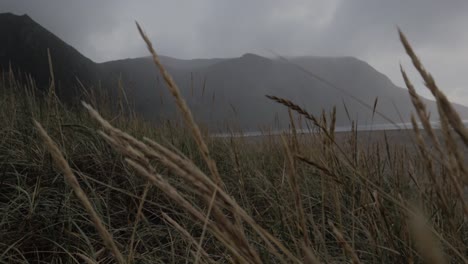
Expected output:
{"points": [[310, 198]]}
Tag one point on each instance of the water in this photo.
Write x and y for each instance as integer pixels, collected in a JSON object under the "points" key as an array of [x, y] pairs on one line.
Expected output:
{"points": [[374, 127]]}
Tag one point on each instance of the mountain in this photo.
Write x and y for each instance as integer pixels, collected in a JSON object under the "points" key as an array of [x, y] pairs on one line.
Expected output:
{"points": [[24, 46], [233, 90], [220, 91]]}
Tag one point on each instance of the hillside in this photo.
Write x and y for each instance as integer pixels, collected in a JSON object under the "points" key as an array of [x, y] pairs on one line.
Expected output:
{"points": [[24, 46], [233, 90]]}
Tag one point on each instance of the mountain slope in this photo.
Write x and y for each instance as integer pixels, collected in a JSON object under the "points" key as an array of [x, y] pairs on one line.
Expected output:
{"points": [[24, 46], [233, 90]]}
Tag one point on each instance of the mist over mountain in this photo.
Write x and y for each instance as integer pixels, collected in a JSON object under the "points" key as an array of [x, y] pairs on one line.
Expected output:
{"points": [[220, 91]]}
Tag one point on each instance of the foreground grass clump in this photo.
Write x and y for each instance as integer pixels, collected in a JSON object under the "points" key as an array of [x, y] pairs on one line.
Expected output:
{"points": [[85, 185]]}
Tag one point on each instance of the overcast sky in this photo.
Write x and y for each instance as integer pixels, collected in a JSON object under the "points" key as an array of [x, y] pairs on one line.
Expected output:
{"points": [[105, 30]]}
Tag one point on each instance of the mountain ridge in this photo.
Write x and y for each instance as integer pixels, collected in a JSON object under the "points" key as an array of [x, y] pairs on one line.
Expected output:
{"points": [[220, 91]]}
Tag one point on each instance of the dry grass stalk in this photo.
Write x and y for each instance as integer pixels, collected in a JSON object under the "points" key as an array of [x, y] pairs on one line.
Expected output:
{"points": [[421, 111], [205, 224], [187, 236], [447, 115], [295, 142], [185, 168], [298, 109], [423, 116], [309, 256], [137, 150], [62, 164], [190, 122], [345, 245], [451, 146], [86, 259], [441, 202], [333, 124], [321, 168], [445, 105], [187, 114], [227, 233], [323, 128], [52, 96], [139, 215], [430, 167], [455, 163], [171, 192], [296, 192], [425, 242]]}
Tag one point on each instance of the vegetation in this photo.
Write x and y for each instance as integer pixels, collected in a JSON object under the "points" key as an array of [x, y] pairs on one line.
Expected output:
{"points": [[81, 185]]}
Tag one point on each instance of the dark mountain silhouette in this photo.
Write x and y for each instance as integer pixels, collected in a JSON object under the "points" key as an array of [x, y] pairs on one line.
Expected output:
{"points": [[219, 91], [24, 45]]}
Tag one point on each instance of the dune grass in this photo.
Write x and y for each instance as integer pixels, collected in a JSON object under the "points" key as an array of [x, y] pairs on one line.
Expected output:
{"points": [[97, 184]]}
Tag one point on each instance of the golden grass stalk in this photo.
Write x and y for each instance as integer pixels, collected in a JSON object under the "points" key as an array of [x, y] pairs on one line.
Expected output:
{"points": [[426, 243], [345, 245], [70, 178], [234, 237], [455, 163], [86, 259], [423, 116], [421, 110], [297, 109], [52, 98], [190, 122], [447, 115], [445, 105], [186, 113], [330, 138], [301, 220], [137, 153], [295, 143], [174, 194], [187, 236], [309, 256], [139, 215]]}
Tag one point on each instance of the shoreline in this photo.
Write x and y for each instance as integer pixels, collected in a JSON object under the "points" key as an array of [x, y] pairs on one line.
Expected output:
{"points": [[339, 129]]}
